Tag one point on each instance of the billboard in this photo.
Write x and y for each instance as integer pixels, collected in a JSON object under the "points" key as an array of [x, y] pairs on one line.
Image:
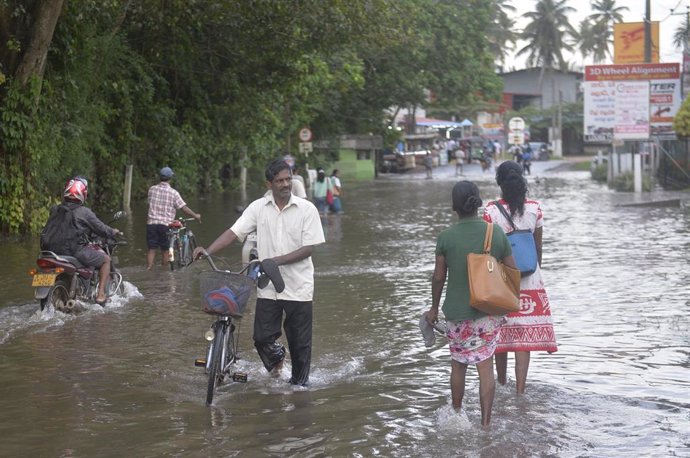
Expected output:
{"points": [[631, 119], [628, 42], [603, 102]]}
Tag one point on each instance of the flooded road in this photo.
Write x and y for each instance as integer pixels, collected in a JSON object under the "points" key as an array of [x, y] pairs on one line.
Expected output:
{"points": [[121, 381]]}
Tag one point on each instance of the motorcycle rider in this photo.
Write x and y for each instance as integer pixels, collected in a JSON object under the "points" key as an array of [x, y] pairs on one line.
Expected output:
{"points": [[70, 227]]}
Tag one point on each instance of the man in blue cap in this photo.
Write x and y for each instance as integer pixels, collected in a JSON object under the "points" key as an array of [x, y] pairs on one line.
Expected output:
{"points": [[164, 201]]}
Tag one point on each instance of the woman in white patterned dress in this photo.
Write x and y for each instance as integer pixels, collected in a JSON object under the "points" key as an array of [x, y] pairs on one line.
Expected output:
{"points": [[531, 328]]}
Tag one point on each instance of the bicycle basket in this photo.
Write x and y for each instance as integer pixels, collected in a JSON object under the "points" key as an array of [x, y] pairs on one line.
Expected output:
{"points": [[225, 293]]}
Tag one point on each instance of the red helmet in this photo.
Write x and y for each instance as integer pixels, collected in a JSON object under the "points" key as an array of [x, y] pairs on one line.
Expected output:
{"points": [[76, 189]]}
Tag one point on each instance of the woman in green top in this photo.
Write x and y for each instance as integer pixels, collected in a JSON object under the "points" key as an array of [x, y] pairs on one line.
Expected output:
{"points": [[473, 335]]}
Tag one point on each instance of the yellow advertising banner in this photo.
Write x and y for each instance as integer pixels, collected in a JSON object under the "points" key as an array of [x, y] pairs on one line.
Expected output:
{"points": [[628, 42]]}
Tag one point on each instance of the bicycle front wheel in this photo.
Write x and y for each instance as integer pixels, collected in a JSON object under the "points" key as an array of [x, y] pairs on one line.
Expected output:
{"points": [[230, 356], [214, 370], [188, 246], [191, 246]]}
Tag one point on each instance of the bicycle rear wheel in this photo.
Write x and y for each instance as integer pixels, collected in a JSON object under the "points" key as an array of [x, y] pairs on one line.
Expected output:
{"points": [[214, 370]]}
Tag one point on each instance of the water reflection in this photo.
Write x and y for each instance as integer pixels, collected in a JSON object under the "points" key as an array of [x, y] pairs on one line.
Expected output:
{"points": [[124, 376]]}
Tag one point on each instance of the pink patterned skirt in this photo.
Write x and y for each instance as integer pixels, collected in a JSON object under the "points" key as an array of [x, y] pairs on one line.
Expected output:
{"points": [[473, 341]]}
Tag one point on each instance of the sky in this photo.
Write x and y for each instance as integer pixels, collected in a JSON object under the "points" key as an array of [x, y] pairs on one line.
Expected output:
{"points": [[660, 11]]}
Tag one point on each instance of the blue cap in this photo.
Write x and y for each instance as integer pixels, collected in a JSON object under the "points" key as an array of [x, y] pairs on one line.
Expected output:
{"points": [[166, 172]]}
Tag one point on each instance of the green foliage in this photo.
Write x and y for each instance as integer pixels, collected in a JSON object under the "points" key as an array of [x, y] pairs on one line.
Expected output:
{"points": [[21, 199], [625, 182], [600, 173], [681, 122], [209, 86]]}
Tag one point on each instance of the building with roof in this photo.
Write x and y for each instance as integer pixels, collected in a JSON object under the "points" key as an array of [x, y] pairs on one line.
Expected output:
{"points": [[528, 87]]}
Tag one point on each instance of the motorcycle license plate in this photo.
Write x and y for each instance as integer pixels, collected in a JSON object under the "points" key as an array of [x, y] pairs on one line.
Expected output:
{"points": [[43, 280]]}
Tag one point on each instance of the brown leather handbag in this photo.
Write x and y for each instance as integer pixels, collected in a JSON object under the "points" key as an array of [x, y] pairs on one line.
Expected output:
{"points": [[494, 287]]}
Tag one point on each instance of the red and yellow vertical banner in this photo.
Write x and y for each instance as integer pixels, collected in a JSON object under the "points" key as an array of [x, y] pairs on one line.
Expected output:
{"points": [[628, 42]]}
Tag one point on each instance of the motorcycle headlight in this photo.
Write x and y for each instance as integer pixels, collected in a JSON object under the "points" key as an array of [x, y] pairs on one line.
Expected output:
{"points": [[209, 335]]}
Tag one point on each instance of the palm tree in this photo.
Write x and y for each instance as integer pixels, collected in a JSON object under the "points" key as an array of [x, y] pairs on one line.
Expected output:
{"points": [[584, 40], [601, 37], [682, 34], [547, 34], [502, 35], [605, 14]]}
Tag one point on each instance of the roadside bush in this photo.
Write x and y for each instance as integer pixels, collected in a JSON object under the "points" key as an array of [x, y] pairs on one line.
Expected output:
{"points": [[599, 173], [625, 182]]}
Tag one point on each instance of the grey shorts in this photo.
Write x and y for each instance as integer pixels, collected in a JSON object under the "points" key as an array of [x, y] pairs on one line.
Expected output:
{"points": [[91, 255]]}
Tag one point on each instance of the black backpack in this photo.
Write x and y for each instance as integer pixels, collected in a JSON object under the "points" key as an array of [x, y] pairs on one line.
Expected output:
{"points": [[60, 233]]}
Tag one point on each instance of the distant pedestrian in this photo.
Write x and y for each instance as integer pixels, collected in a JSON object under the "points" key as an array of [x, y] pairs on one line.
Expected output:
{"points": [[517, 153], [527, 160], [337, 206], [164, 201], [460, 156], [451, 146], [498, 149], [298, 187], [428, 163], [321, 187], [485, 161]]}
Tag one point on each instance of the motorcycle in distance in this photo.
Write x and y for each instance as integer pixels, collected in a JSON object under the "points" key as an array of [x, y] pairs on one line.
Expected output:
{"points": [[249, 245], [62, 280]]}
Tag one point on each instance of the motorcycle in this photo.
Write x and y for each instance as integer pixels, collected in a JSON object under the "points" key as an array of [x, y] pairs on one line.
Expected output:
{"points": [[61, 280], [249, 250]]}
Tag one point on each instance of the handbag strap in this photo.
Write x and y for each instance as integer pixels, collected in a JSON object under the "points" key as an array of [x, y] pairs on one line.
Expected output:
{"points": [[487, 237], [505, 213]]}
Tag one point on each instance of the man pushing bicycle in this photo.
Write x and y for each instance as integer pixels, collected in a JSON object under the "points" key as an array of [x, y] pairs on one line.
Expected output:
{"points": [[164, 201], [287, 230]]}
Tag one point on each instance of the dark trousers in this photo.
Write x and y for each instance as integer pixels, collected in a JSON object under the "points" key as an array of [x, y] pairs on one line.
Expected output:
{"points": [[297, 325]]}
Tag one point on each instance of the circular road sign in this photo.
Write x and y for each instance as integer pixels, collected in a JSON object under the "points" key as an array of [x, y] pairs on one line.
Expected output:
{"points": [[305, 134], [516, 124]]}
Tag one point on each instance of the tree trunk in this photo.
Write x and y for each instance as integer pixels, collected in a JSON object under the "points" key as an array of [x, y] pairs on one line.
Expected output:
{"points": [[34, 60]]}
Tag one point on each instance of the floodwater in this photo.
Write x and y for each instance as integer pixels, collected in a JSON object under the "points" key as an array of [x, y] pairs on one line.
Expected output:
{"points": [[120, 381]]}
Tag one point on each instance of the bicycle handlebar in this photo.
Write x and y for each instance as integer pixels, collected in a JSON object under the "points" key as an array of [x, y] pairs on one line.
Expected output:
{"points": [[209, 258]]}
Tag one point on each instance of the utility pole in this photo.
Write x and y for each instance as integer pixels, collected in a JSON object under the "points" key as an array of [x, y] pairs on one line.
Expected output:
{"points": [[648, 32]]}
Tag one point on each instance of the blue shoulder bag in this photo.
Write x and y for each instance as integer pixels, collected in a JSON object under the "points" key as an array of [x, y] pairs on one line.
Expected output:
{"points": [[522, 243]]}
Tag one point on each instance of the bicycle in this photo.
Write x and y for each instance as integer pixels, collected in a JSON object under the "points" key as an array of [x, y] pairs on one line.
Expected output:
{"points": [[182, 243], [225, 294]]}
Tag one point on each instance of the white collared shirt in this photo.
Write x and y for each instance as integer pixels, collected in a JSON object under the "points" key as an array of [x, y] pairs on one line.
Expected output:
{"points": [[279, 232]]}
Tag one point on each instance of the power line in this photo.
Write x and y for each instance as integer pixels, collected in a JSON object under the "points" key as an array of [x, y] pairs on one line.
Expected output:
{"points": [[671, 13]]}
